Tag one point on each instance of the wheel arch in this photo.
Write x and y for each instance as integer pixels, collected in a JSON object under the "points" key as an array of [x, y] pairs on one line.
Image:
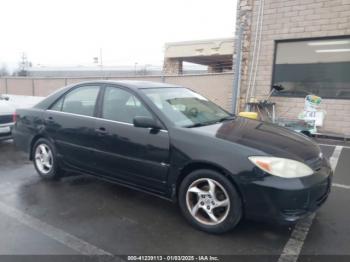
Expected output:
{"points": [[32, 143]]}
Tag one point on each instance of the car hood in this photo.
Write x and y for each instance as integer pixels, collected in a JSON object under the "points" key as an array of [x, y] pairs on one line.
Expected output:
{"points": [[267, 138]]}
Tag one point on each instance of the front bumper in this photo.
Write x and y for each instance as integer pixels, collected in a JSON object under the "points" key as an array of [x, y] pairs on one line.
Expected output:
{"points": [[6, 131], [287, 200]]}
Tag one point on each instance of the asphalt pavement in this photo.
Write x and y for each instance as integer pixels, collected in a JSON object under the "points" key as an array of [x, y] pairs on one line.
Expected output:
{"points": [[83, 215]]}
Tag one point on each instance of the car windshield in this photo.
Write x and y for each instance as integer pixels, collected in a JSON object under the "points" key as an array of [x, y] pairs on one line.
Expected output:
{"points": [[186, 108]]}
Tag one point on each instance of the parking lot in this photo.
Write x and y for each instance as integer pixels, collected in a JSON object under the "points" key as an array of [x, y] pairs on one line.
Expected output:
{"points": [[82, 215]]}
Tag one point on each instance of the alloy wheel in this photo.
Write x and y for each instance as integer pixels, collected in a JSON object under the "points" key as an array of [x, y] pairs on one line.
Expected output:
{"points": [[207, 201], [43, 158]]}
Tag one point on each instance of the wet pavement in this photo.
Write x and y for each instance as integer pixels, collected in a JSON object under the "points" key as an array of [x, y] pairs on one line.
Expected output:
{"points": [[117, 220]]}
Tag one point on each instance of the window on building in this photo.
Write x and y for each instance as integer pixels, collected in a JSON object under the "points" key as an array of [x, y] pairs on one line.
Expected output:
{"points": [[320, 67]]}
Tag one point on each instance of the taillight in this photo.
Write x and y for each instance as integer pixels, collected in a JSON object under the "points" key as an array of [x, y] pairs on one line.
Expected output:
{"points": [[14, 117]]}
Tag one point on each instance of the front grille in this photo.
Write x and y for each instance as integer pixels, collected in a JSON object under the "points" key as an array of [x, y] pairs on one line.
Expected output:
{"points": [[5, 119]]}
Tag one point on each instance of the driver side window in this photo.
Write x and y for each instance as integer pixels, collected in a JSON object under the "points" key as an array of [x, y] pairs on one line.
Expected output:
{"points": [[122, 106]]}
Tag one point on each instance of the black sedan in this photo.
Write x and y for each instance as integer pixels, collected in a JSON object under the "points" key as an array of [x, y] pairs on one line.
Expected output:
{"points": [[172, 142]]}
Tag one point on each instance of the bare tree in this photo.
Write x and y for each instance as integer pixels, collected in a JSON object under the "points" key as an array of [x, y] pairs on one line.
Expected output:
{"points": [[23, 66]]}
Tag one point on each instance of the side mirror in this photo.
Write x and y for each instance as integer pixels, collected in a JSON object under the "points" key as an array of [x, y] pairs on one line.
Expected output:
{"points": [[146, 122]]}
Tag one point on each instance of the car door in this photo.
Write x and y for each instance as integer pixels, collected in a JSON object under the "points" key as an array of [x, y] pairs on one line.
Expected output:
{"points": [[135, 155], [71, 121]]}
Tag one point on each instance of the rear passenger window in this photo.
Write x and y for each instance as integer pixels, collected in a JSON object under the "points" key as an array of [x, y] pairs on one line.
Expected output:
{"points": [[81, 101], [122, 106]]}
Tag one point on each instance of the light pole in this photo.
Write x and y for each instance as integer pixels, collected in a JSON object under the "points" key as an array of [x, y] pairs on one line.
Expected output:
{"points": [[145, 68], [101, 61]]}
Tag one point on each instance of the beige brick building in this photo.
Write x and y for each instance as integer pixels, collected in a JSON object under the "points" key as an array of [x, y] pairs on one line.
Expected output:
{"points": [[303, 45]]}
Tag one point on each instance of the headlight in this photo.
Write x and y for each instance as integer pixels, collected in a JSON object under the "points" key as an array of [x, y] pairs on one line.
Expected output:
{"points": [[281, 167]]}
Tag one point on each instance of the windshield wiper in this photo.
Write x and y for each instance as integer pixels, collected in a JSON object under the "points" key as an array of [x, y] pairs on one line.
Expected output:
{"points": [[202, 124], [226, 118]]}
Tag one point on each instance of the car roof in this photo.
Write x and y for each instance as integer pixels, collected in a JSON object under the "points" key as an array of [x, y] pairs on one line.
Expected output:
{"points": [[135, 84], [131, 84]]}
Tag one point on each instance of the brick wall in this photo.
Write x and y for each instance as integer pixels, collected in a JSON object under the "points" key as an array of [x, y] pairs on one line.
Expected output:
{"points": [[293, 19]]}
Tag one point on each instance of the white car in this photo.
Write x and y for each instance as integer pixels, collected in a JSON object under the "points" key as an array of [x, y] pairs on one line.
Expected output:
{"points": [[8, 106]]}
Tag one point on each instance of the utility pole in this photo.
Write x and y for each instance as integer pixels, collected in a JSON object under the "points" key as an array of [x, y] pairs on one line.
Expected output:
{"points": [[24, 62], [237, 71], [135, 68], [101, 62]]}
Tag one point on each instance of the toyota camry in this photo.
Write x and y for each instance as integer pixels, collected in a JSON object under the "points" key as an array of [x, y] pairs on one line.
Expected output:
{"points": [[172, 142]]}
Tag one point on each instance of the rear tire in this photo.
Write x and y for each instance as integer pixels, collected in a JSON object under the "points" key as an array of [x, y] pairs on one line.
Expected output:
{"points": [[210, 202], [45, 160]]}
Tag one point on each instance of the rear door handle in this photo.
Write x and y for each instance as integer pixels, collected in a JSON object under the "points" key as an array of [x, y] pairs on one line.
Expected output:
{"points": [[101, 130], [49, 119]]}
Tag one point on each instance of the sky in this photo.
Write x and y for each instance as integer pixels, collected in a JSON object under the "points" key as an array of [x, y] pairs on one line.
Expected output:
{"points": [[72, 32]]}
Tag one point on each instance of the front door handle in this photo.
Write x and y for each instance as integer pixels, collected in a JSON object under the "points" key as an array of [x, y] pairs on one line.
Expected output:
{"points": [[101, 130]]}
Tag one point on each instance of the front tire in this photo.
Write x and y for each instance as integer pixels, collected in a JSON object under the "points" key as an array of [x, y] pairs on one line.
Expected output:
{"points": [[209, 201], [45, 160]]}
